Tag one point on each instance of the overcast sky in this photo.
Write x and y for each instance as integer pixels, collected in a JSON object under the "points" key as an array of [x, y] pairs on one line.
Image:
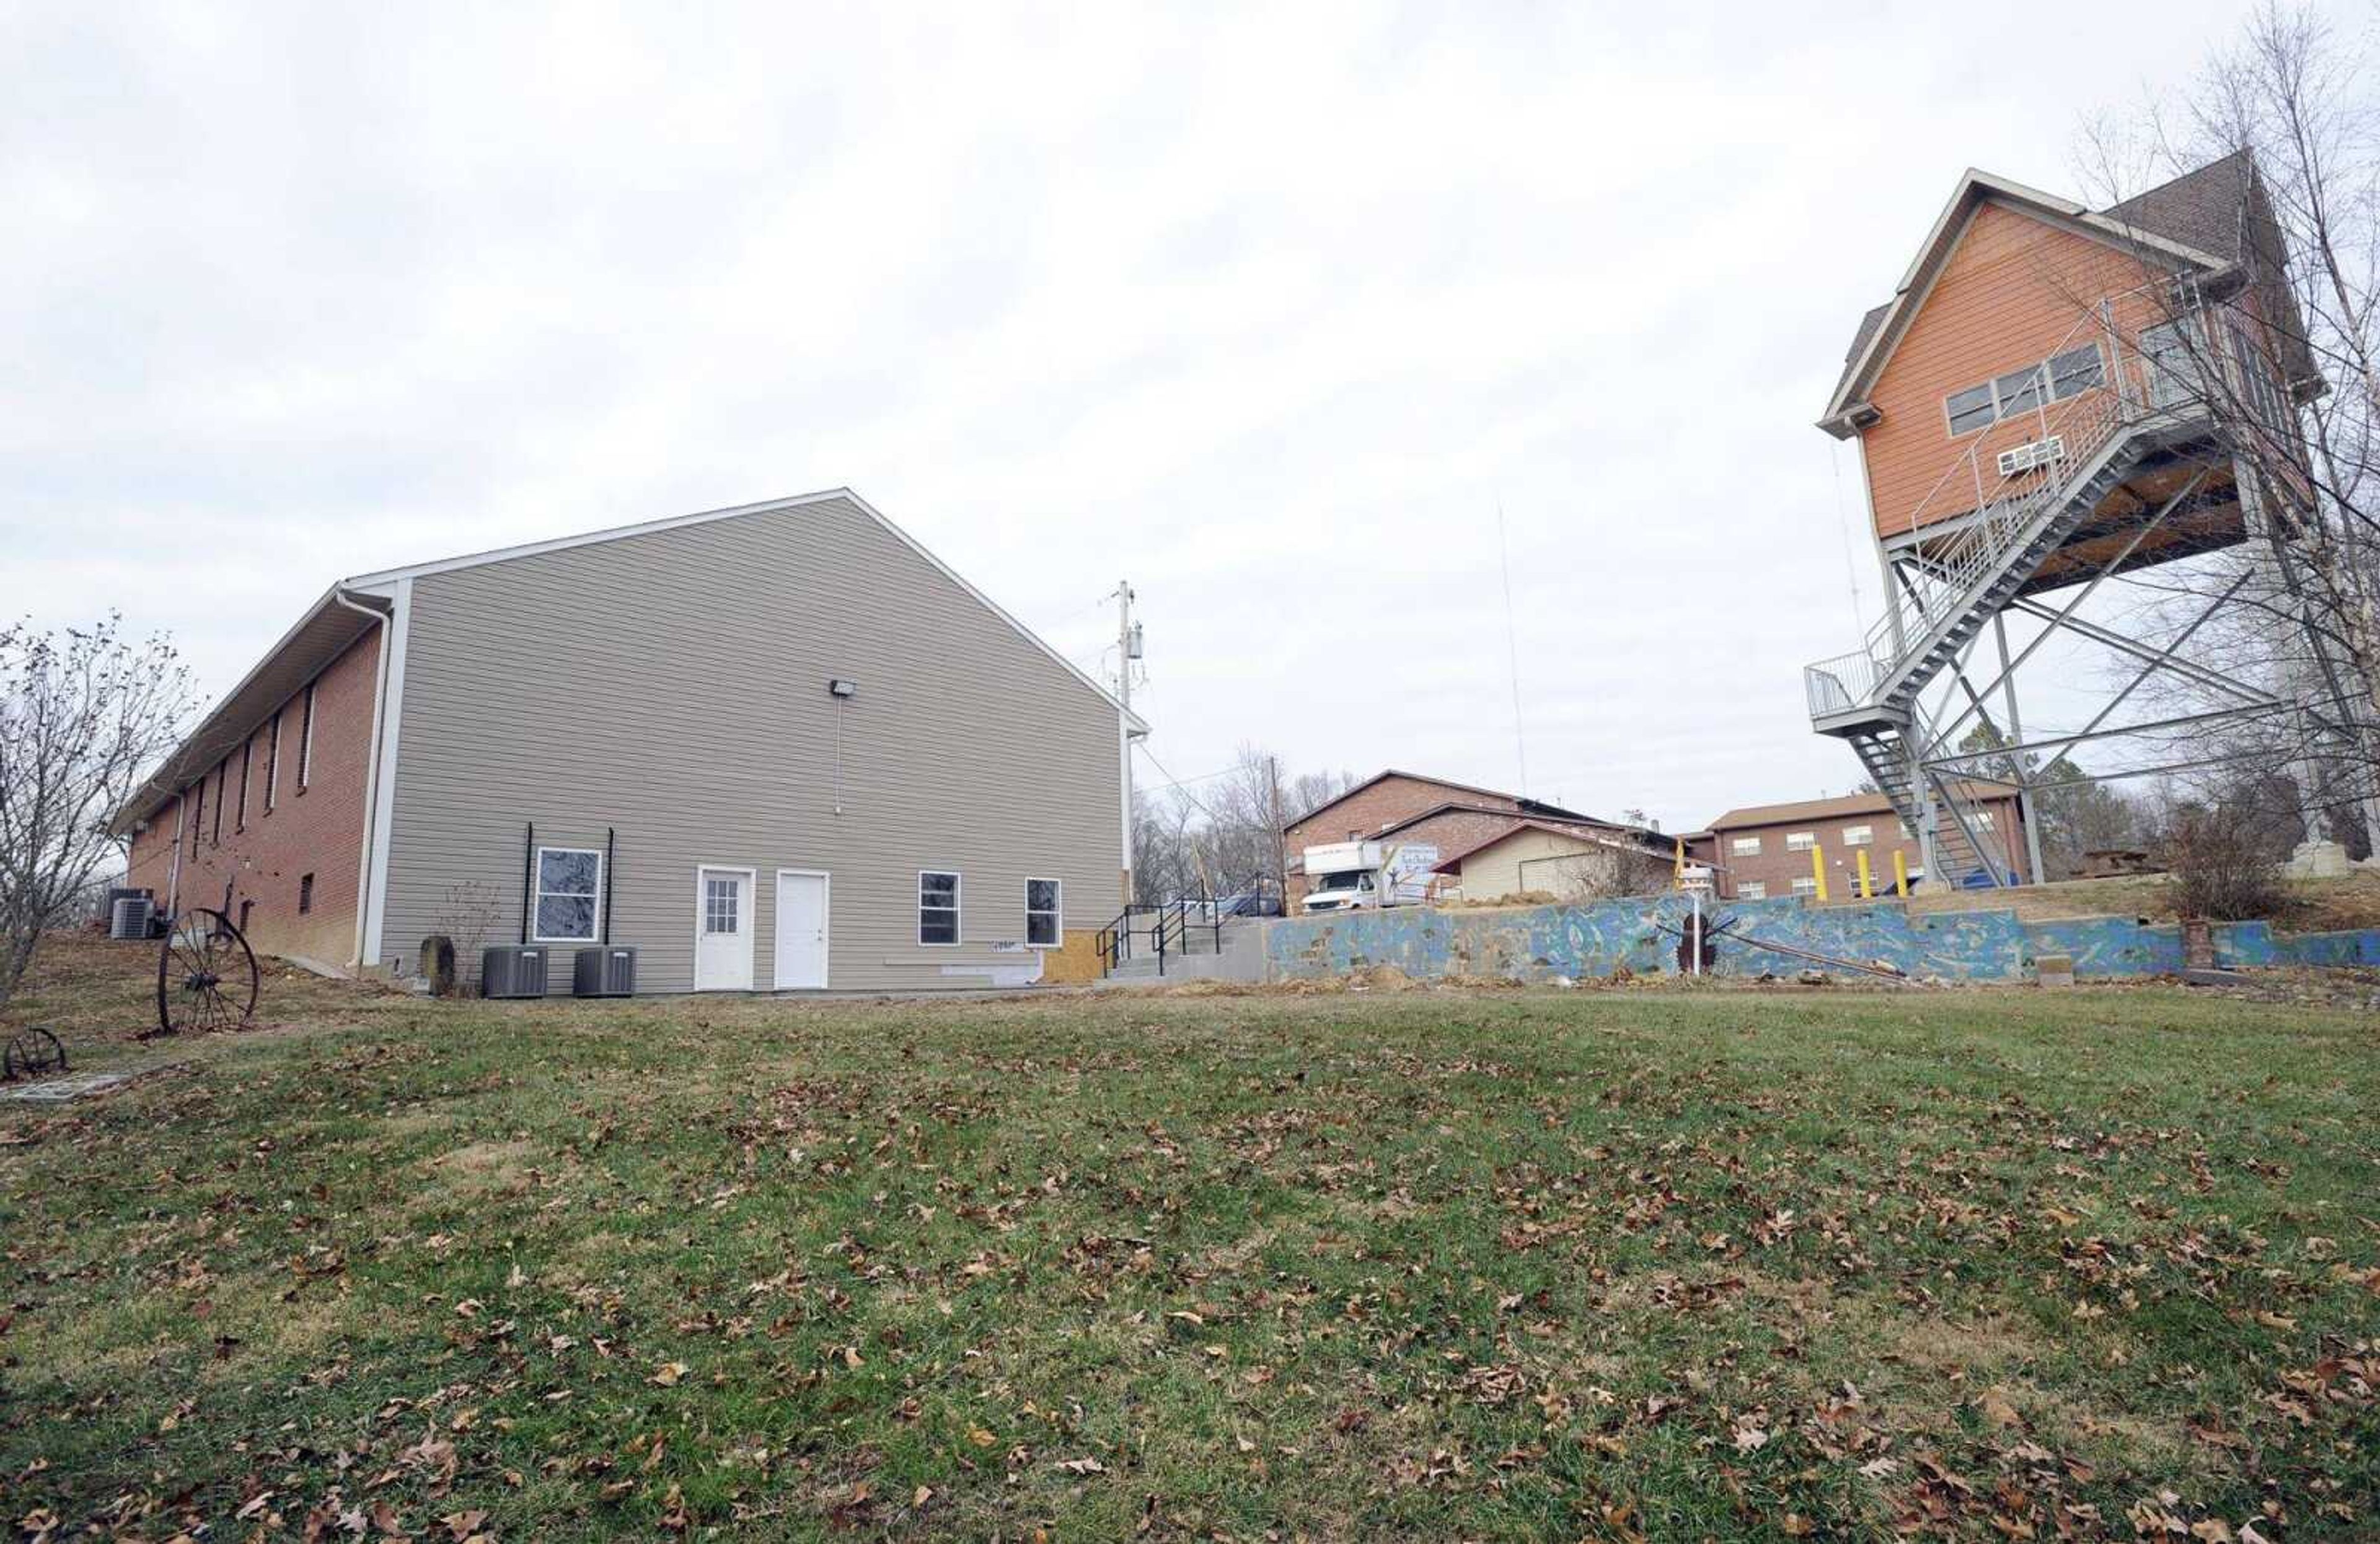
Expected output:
{"points": [[1268, 311]]}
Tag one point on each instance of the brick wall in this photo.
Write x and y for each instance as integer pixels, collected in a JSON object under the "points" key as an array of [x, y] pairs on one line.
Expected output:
{"points": [[1777, 866], [265, 855], [1364, 814]]}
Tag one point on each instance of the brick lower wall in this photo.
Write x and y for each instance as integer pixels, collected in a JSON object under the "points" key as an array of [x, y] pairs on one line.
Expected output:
{"points": [[265, 855], [1362, 815], [1777, 866]]}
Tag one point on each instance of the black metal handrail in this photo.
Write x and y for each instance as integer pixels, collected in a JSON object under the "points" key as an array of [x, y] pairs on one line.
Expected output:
{"points": [[1167, 932]]}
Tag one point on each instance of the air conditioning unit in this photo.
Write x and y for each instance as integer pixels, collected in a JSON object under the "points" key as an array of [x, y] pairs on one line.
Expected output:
{"points": [[512, 970], [605, 972], [128, 918], [2026, 457]]}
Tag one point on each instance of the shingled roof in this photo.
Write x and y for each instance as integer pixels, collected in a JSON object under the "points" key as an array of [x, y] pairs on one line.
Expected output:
{"points": [[2212, 216]]}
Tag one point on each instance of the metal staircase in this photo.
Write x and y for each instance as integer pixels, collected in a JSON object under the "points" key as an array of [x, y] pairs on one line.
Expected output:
{"points": [[1964, 572]]}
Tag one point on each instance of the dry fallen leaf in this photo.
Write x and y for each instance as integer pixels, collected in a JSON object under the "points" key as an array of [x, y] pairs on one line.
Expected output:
{"points": [[668, 1373]]}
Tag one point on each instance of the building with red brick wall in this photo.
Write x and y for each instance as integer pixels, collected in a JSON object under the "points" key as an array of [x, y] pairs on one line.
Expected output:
{"points": [[777, 747], [276, 821], [1765, 850], [1428, 811]]}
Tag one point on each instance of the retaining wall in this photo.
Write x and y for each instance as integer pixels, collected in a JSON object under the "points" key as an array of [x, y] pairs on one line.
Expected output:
{"points": [[1541, 942]]}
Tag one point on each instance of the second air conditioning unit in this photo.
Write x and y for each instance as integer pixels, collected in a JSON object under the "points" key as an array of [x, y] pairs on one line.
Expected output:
{"points": [[2027, 457], [603, 972]]}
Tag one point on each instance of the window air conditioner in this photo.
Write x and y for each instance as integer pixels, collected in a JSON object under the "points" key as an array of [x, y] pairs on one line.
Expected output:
{"points": [[2027, 457]]}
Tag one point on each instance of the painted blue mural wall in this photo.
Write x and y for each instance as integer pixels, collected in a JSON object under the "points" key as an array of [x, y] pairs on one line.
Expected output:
{"points": [[1538, 943]]}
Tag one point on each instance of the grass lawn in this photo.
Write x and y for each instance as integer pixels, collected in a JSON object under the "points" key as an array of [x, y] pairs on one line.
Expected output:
{"points": [[1497, 1265]]}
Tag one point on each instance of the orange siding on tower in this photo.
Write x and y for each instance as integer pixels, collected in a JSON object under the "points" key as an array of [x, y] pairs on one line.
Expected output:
{"points": [[2014, 291]]}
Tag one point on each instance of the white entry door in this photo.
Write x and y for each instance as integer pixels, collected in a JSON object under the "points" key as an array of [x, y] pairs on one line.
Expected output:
{"points": [[801, 930], [722, 929]]}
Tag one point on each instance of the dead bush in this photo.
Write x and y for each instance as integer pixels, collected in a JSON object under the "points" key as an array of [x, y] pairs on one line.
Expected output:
{"points": [[2224, 854]]}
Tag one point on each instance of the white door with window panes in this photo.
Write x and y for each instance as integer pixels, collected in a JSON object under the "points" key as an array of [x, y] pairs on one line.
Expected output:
{"points": [[722, 929]]}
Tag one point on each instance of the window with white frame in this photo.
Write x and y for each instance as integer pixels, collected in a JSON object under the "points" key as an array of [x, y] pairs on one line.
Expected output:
{"points": [[2021, 391], [305, 742], [1800, 841], [1745, 846], [272, 761], [1858, 836], [1042, 912], [1983, 818], [569, 893], [1806, 886], [1752, 890], [722, 897], [938, 907]]}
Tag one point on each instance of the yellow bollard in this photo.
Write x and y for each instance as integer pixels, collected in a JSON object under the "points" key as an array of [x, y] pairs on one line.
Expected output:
{"points": [[1900, 872], [1818, 867], [1867, 887]]}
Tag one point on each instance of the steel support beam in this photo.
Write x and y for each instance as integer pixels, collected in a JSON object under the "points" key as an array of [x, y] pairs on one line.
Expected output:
{"points": [[2110, 566]]}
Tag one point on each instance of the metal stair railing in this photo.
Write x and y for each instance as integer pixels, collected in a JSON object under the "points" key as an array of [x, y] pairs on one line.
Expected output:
{"points": [[1169, 930], [2005, 518]]}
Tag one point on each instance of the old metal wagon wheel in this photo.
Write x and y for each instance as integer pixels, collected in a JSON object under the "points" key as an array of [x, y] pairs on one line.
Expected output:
{"points": [[31, 1054], [206, 975]]}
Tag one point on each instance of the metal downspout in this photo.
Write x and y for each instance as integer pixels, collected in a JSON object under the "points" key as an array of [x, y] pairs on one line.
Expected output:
{"points": [[372, 773]]}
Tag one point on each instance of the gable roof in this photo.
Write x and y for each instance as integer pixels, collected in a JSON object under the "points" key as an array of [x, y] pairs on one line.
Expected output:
{"points": [[737, 512], [352, 606], [2164, 223], [1592, 837], [1515, 800]]}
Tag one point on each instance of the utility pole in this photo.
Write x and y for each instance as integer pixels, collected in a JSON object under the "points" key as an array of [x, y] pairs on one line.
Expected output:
{"points": [[1127, 651], [1280, 837]]}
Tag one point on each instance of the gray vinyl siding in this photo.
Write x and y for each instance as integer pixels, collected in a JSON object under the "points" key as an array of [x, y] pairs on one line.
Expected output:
{"points": [[672, 687]]}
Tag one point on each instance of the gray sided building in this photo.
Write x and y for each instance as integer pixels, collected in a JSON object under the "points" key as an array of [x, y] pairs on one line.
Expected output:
{"points": [[777, 747]]}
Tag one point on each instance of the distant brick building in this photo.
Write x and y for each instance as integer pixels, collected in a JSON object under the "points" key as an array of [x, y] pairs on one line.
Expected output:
{"points": [[1408, 808], [1765, 850]]}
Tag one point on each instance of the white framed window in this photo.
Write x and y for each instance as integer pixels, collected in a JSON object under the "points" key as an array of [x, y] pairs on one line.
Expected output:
{"points": [[1984, 820], [305, 742], [1806, 886], [272, 761], [1800, 841], [1970, 408], [569, 894], [937, 908], [1044, 920], [2076, 371], [1745, 846], [1752, 890], [2021, 391], [721, 896], [1858, 836]]}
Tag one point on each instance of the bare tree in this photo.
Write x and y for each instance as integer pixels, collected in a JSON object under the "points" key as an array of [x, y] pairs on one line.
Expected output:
{"points": [[1221, 834], [2281, 353], [83, 714]]}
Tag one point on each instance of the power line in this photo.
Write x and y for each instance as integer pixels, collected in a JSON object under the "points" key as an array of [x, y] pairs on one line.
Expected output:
{"points": [[1181, 782], [1202, 777]]}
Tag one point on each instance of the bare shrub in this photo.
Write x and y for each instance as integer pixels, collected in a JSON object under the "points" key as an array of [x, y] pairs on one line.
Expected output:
{"points": [[469, 916], [2224, 854]]}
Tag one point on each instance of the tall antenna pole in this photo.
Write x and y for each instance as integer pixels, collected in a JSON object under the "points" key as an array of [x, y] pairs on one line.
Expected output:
{"points": [[1512, 646]]}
